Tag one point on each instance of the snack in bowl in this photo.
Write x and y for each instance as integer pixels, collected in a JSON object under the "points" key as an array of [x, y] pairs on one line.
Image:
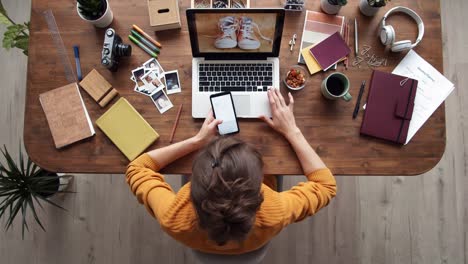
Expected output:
{"points": [[295, 78]]}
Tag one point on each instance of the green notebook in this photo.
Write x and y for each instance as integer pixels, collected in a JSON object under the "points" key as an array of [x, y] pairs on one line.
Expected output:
{"points": [[127, 129]]}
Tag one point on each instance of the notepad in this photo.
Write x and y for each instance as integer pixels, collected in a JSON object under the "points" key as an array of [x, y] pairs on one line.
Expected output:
{"points": [[127, 129], [311, 63], [66, 114], [330, 51]]}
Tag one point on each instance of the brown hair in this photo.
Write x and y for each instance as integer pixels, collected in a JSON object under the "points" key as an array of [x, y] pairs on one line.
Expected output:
{"points": [[225, 188]]}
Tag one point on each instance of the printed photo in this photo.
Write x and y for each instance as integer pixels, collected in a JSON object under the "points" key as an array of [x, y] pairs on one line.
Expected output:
{"points": [[238, 32], [152, 82], [137, 74], [153, 64], [172, 82], [161, 101]]}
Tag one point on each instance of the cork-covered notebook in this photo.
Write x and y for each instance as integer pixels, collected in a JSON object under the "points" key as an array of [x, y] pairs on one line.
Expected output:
{"points": [[66, 114]]}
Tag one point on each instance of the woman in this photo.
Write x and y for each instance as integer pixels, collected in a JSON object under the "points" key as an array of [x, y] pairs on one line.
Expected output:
{"points": [[226, 209]]}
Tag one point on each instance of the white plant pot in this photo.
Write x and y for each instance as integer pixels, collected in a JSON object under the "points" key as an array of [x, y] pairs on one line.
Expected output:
{"points": [[101, 22], [366, 9], [329, 8], [65, 181]]}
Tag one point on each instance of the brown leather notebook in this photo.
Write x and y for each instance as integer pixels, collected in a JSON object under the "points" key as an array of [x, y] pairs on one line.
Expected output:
{"points": [[389, 108], [66, 114]]}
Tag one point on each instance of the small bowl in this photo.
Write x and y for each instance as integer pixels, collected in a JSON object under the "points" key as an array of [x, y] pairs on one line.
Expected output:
{"points": [[301, 70]]}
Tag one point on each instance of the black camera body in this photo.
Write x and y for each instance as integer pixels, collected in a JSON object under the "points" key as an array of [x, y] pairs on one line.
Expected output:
{"points": [[113, 49]]}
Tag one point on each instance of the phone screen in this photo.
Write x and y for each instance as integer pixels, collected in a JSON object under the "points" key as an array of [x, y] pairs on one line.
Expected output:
{"points": [[223, 109]]}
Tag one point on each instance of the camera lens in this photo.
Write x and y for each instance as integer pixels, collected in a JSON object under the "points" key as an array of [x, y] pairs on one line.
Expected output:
{"points": [[123, 50]]}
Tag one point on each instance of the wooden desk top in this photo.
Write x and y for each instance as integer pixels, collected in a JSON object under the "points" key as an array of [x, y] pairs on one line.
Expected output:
{"points": [[328, 126]]}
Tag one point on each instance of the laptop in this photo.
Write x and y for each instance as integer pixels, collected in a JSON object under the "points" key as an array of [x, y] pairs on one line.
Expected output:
{"points": [[235, 50]]}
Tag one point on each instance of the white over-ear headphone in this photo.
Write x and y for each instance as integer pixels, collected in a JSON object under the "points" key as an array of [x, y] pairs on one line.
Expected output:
{"points": [[387, 33]]}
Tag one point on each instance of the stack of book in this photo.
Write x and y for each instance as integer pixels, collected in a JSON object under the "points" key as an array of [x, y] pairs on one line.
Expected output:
{"points": [[322, 31]]}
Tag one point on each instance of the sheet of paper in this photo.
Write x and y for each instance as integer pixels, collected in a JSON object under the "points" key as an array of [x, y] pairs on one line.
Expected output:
{"points": [[433, 89]]}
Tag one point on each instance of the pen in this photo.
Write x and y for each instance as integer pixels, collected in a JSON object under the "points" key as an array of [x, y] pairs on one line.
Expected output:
{"points": [[76, 50], [358, 102], [147, 36], [142, 46], [145, 41], [176, 122], [356, 38]]}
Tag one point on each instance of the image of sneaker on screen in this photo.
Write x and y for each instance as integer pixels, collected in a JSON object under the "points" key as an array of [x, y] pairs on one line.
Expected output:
{"points": [[236, 33]]}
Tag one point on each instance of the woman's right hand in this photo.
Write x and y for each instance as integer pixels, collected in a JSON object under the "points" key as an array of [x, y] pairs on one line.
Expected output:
{"points": [[282, 119], [209, 129]]}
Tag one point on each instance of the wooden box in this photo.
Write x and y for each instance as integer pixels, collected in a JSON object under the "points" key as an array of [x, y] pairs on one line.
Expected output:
{"points": [[164, 14]]}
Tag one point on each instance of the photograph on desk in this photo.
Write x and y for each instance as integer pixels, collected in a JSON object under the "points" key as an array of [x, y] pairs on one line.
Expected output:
{"points": [[153, 64], [236, 32], [152, 82], [173, 82], [161, 101]]}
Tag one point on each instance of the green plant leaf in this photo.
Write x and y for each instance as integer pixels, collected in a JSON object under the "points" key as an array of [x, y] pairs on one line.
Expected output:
{"points": [[33, 209], [13, 212], [50, 202], [4, 16], [11, 164], [24, 223]]}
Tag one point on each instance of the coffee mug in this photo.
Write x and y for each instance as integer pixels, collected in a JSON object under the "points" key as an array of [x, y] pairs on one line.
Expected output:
{"points": [[336, 86]]}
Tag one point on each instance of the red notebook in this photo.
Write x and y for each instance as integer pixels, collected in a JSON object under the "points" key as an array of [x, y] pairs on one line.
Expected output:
{"points": [[330, 51], [389, 108]]}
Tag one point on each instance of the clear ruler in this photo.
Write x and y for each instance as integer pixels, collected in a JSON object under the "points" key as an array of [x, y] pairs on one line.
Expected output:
{"points": [[58, 42]]}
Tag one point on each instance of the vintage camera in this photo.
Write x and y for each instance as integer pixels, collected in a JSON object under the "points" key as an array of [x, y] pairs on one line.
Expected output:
{"points": [[113, 49]]}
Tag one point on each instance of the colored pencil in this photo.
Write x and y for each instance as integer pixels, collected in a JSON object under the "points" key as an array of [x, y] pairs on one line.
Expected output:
{"points": [[143, 47], [147, 36], [347, 43], [175, 124], [145, 41]]}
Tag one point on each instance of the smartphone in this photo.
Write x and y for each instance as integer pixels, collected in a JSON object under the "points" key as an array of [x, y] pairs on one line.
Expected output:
{"points": [[223, 109]]}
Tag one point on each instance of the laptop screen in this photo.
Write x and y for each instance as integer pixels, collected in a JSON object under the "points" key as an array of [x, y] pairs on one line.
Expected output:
{"points": [[235, 33]]}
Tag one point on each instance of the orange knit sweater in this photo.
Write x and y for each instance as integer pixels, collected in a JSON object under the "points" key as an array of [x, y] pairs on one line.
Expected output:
{"points": [[178, 218]]}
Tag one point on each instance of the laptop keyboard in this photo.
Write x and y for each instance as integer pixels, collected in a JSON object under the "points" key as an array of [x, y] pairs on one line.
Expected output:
{"points": [[235, 77]]}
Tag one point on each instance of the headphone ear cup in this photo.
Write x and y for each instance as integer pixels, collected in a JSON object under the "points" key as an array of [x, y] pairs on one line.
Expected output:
{"points": [[387, 35], [401, 46]]}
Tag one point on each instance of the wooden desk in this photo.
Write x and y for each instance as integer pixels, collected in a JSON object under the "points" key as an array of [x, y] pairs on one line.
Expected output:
{"points": [[327, 125]]}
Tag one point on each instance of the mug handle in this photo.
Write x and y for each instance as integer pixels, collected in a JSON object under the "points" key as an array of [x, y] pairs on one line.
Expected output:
{"points": [[347, 97]]}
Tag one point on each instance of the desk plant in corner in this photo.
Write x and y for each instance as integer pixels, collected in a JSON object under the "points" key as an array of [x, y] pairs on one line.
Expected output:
{"points": [[23, 186], [371, 7], [96, 12], [332, 7], [16, 35]]}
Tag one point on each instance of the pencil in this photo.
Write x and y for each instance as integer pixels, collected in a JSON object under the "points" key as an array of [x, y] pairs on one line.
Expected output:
{"points": [[347, 43], [175, 124], [147, 36], [356, 38], [142, 46]]}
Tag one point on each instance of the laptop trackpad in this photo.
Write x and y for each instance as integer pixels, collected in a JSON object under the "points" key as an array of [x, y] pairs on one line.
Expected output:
{"points": [[242, 104]]}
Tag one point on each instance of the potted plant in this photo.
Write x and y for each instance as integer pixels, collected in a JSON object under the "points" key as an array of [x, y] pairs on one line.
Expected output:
{"points": [[332, 7], [371, 7], [16, 35], [23, 186], [97, 12]]}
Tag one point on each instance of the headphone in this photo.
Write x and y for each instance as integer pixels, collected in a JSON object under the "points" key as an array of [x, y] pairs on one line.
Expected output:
{"points": [[387, 33]]}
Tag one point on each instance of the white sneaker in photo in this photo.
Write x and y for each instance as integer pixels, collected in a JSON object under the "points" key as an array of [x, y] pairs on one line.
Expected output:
{"points": [[246, 38], [227, 38]]}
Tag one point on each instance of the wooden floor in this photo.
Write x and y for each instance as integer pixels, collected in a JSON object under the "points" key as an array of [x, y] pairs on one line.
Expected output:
{"points": [[374, 220]]}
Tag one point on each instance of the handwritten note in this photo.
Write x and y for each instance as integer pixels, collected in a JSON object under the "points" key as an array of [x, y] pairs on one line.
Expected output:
{"points": [[433, 89]]}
